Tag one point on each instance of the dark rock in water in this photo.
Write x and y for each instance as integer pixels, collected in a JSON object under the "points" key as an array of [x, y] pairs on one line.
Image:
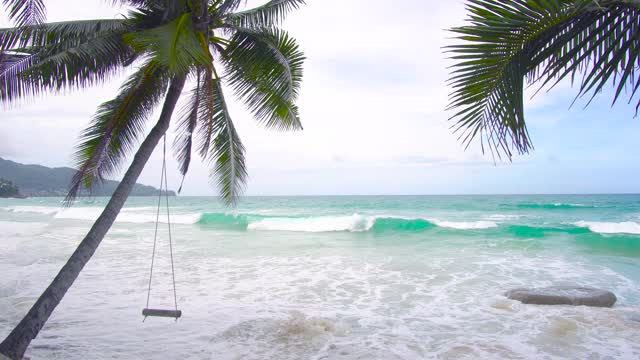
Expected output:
{"points": [[563, 295]]}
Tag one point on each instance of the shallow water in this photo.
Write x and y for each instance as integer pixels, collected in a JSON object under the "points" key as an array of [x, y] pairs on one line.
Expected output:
{"points": [[332, 278]]}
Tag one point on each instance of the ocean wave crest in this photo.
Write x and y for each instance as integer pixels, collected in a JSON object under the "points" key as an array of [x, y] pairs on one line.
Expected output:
{"points": [[353, 223], [627, 227], [348, 223], [259, 221], [554, 206], [466, 225], [503, 217]]}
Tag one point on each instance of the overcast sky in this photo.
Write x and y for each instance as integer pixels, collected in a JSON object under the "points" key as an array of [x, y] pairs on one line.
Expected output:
{"points": [[372, 106]]}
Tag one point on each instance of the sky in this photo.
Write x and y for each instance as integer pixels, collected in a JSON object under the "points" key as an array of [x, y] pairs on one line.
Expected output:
{"points": [[373, 105]]}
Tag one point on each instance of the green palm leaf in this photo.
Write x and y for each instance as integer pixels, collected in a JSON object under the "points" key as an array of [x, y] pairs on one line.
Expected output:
{"points": [[175, 45], [60, 56], [222, 7], [55, 33], [265, 70], [542, 41], [117, 126], [62, 66], [219, 142], [183, 143], [26, 12], [268, 15]]}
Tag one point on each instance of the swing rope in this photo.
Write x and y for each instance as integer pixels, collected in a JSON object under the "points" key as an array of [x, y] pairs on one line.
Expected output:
{"points": [[163, 183]]}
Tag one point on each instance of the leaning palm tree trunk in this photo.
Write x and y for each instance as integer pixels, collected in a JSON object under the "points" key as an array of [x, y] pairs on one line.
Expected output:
{"points": [[17, 342]]}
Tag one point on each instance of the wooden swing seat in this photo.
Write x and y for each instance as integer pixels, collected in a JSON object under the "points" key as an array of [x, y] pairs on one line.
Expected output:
{"points": [[162, 313]]}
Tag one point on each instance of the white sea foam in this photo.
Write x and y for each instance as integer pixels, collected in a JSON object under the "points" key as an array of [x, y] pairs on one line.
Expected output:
{"points": [[127, 215], [503, 217], [576, 205], [353, 223], [611, 227], [79, 213], [465, 225], [47, 210]]}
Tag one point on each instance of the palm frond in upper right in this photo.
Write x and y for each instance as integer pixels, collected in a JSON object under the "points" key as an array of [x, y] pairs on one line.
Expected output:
{"points": [[541, 41]]}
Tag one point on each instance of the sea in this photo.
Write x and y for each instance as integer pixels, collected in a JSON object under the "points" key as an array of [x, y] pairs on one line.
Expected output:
{"points": [[366, 277]]}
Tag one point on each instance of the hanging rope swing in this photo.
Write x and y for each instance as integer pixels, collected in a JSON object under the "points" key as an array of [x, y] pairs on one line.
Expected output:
{"points": [[175, 313]]}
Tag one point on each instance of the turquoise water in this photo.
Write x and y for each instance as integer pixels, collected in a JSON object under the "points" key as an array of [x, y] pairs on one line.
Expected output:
{"points": [[388, 277]]}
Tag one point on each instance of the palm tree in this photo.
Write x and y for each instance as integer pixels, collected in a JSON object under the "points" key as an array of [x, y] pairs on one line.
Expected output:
{"points": [[167, 42], [592, 42]]}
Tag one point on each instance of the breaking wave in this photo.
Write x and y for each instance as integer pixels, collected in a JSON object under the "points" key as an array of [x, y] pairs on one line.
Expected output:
{"points": [[355, 223], [350, 223], [610, 227]]}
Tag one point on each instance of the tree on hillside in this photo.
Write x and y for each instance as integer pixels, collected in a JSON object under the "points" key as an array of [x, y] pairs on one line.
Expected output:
{"points": [[209, 42], [8, 189], [591, 42]]}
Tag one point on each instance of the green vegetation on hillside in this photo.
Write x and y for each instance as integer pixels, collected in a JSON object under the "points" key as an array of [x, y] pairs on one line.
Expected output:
{"points": [[8, 189], [37, 180]]}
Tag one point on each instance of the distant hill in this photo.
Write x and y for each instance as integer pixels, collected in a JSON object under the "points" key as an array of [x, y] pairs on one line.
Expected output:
{"points": [[37, 180]]}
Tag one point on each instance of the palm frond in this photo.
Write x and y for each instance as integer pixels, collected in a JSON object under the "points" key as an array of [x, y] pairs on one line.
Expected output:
{"points": [[221, 7], [59, 32], [183, 143], [219, 142], [116, 127], [63, 66], [139, 3], [270, 14], [174, 45], [265, 70], [26, 12], [542, 41], [61, 55], [7, 60], [168, 9]]}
